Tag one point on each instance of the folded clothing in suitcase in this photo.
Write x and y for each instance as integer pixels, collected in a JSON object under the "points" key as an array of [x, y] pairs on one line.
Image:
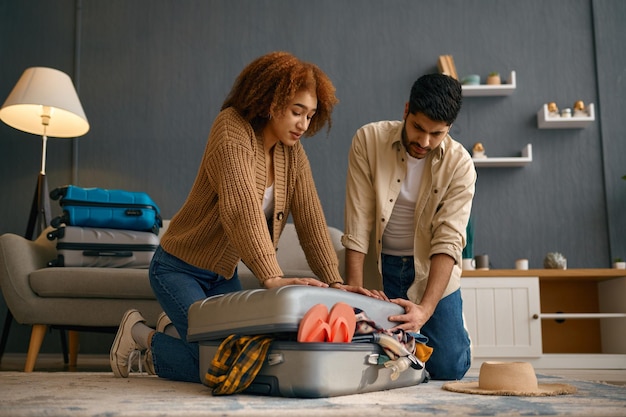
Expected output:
{"points": [[291, 368], [99, 247], [113, 209]]}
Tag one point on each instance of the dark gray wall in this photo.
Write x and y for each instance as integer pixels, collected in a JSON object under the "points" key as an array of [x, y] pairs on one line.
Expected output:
{"points": [[153, 74]]}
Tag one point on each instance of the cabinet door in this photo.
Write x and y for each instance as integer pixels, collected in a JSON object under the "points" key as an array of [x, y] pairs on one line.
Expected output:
{"points": [[502, 316]]}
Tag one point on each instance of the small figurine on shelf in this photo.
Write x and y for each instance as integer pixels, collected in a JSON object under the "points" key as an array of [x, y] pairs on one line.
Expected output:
{"points": [[478, 151], [494, 78], [566, 113], [553, 110], [579, 109]]}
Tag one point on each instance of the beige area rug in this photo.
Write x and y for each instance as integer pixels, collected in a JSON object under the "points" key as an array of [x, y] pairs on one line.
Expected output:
{"points": [[71, 394]]}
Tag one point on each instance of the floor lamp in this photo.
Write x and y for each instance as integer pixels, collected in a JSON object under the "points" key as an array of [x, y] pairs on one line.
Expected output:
{"points": [[43, 102]]}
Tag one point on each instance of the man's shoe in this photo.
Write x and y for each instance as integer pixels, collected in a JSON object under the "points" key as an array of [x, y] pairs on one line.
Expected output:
{"points": [[124, 344]]}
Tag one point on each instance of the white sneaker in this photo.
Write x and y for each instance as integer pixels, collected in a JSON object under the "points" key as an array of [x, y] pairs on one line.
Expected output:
{"points": [[124, 344], [148, 363]]}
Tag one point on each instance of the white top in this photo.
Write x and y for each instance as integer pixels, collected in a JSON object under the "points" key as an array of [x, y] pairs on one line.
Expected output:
{"points": [[268, 202], [398, 237]]}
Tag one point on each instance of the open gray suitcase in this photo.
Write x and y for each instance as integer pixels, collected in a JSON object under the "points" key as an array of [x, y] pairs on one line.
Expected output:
{"points": [[99, 247], [294, 369]]}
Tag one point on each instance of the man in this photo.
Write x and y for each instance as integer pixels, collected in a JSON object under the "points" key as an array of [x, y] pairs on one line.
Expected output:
{"points": [[410, 187]]}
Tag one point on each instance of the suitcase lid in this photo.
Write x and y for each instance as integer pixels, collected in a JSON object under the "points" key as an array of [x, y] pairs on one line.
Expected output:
{"points": [[277, 310]]}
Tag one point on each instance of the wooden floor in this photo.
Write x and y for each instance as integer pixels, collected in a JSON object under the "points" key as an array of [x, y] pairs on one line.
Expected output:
{"points": [[100, 363]]}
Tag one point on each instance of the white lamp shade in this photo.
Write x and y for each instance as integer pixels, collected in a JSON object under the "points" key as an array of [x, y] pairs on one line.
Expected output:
{"points": [[40, 87]]}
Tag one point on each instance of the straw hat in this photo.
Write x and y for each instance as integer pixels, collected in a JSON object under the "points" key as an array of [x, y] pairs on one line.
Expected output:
{"points": [[508, 378]]}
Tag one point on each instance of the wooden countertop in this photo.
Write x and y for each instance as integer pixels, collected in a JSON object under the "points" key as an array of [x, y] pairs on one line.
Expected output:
{"points": [[550, 274]]}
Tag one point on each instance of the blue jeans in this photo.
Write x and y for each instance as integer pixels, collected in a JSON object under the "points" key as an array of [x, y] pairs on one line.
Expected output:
{"points": [[177, 285], [451, 357]]}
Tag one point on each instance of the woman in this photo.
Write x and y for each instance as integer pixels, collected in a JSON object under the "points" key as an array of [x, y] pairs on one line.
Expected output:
{"points": [[253, 174]]}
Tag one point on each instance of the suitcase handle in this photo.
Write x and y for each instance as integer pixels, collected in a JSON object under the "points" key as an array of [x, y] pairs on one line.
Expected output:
{"points": [[59, 261], [113, 254], [58, 192], [59, 220], [56, 233]]}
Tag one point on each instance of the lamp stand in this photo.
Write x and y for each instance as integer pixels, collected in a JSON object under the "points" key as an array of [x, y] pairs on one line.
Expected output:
{"points": [[40, 213]]}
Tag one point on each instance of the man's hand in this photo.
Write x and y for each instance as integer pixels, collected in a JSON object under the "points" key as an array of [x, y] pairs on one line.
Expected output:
{"points": [[281, 282], [414, 317]]}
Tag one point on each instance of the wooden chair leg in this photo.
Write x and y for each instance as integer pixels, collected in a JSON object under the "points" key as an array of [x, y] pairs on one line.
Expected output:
{"points": [[66, 359], [36, 339], [73, 348]]}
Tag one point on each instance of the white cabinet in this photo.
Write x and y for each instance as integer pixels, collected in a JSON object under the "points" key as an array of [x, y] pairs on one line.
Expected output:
{"points": [[502, 316], [552, 318]]}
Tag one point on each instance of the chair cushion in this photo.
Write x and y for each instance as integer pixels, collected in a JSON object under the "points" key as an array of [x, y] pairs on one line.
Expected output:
{"points": [[74, 282]]}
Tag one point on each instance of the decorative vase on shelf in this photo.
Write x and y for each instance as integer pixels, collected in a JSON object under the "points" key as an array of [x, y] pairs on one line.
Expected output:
{"points": [[471, 79], [555, 260], [494, 79]]}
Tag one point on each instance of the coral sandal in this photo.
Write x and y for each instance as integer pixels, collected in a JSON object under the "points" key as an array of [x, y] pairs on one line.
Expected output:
{"points": [[314, 325], [342, 322]]}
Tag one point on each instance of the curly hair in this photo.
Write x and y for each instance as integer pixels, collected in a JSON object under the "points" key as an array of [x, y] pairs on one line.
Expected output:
{"points": [[266, 86]]}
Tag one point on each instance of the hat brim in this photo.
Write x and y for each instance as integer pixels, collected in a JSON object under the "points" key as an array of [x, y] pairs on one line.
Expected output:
{"points": [[543, 390]]}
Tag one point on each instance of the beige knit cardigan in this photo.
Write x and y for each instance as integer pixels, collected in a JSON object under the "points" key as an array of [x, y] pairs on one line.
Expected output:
{"points": [[222, 220]]}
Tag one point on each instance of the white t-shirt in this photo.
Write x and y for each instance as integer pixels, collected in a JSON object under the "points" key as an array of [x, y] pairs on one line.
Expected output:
{"points": [[398, 237]]}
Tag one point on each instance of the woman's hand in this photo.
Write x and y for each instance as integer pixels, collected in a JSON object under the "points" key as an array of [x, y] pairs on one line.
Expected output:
{"points": [[281, 282], [360, 290]]}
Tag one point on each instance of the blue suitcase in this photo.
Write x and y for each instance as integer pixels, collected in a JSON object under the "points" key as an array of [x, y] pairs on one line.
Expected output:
{"points": [[113, 209]]}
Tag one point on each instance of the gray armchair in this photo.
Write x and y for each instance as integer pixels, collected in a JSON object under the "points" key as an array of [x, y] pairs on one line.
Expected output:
{"points": [[70, 298], [96, 298]]}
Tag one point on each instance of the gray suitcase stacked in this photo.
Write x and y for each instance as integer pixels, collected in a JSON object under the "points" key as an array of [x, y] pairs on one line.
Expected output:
{"points": [[99, 247], [294, 369]]}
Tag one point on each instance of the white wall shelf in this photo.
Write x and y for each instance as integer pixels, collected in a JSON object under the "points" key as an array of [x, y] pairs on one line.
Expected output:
{"points": [[520, 161], [484, 90], [545, 121]]}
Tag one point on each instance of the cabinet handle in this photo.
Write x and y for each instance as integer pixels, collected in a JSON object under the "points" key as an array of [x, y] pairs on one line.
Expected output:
{"points": [[535, 316]]}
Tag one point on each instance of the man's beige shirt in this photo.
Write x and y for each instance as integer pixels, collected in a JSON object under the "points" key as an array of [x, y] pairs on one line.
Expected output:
{"points": [[377, 165]]}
